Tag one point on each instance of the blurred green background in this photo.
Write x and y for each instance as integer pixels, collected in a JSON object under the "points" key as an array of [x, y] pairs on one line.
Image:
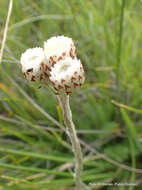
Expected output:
{"points": [[35, 153]]}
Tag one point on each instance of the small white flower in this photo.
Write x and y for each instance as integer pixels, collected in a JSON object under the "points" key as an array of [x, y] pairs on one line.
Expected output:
{"points": [[57, 49], [31, 64], [67, 75]]}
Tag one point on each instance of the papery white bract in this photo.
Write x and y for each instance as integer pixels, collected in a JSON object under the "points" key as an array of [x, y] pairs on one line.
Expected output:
{"points": [[67, 75], [56, 65], [31, 61], [57, 49]]}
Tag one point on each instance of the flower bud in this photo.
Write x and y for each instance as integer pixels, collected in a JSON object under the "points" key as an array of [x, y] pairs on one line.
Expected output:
{"points": [[31, 64], [57, 49], [67, 75]]}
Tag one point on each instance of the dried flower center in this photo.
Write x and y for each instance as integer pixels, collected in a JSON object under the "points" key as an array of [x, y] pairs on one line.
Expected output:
{"points": [[64, 68], [33, 58], [55, 48]]}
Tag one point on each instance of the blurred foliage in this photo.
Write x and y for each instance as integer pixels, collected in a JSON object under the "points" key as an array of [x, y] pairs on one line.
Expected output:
{"points": [[34, 151]]}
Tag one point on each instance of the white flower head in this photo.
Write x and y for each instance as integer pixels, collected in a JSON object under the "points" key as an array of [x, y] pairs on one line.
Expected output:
{"points": [[67, 75], [31, 61], [57, 49]]}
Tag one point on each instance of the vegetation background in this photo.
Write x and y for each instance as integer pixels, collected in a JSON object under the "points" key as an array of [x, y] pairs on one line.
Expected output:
{"points": [[35, 153]]}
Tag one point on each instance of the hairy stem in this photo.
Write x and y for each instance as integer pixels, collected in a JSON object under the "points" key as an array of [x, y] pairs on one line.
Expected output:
{"points": [[64, 102]]}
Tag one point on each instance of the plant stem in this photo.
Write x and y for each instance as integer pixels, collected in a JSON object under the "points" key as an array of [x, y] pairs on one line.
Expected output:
{"points": [[64, 103], [119, 47], [6, 29]]}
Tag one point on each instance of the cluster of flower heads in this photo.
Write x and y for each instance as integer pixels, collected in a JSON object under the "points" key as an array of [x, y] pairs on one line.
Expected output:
{"points": [[56, 65]]}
